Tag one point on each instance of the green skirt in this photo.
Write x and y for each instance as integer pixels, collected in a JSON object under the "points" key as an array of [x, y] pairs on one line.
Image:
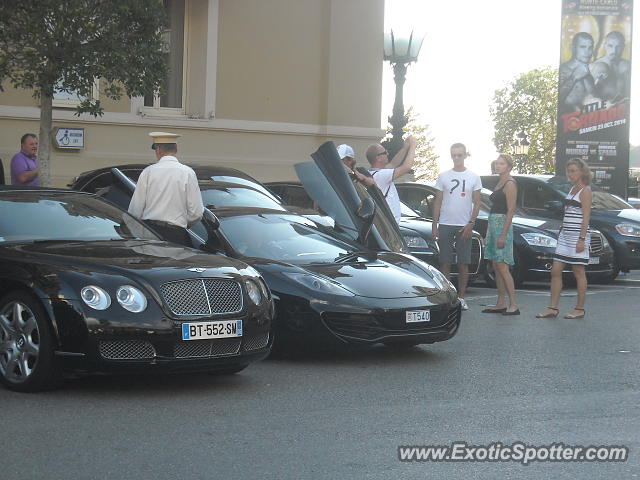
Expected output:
{"points": [[494, 229]]}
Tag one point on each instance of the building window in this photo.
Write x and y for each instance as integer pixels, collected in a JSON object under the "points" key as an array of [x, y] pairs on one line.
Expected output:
{"points": [[172, 96], [72, 99]]}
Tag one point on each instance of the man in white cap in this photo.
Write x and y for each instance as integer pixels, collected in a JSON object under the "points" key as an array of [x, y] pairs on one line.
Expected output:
{"points": [[346, 154], [167, 196]]}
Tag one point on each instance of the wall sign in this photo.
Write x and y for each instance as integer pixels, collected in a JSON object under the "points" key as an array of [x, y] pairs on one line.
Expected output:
{"points": [[69, 137]]}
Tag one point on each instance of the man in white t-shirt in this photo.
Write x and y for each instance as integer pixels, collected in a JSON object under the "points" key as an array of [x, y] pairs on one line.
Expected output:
{"points": [[455, 210], [385, 171]]}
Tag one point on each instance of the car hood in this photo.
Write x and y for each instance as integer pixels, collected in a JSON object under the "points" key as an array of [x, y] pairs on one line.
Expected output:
{"points": [[616, 215], [381, 278], [550, 224], [118, 256]]}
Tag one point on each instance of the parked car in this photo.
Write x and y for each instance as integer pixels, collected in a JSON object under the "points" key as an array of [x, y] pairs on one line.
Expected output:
{"points": [[634, 202], [619, 222], [328, 287], [85, 287], [415, 229], [534, 239]]}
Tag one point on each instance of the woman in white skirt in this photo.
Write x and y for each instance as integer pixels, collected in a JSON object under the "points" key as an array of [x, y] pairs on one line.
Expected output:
{"points": [[573, 241]]}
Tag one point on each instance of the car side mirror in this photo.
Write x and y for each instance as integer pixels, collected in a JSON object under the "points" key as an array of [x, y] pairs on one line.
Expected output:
{"points": [[554, 205], [210, 220]]}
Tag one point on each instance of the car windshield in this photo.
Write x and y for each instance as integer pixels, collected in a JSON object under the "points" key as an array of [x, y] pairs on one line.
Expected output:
{"points": [[406, 211], [237, 196], [38, 215], [243, 181], [601, 200], [287, 238]]}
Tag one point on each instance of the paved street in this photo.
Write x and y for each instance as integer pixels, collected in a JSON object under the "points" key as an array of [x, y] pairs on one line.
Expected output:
{"points": [[343, 415]]}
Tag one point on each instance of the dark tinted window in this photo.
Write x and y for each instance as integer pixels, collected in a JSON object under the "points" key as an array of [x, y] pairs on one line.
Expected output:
{"points": [[64, 216], [535, 194], [418, 199], [601, 200]]}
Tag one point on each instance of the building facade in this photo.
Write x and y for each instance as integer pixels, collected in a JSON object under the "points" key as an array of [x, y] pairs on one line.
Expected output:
{"points": [[254, 84]]}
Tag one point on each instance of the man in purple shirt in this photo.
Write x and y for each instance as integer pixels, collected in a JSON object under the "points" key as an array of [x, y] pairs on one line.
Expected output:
{"points": [[24, 164]]}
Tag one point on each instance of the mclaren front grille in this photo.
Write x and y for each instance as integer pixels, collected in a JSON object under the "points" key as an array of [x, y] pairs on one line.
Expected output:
{"points": [[220, 347], [372, 327], [126, 349], [205, 296]]}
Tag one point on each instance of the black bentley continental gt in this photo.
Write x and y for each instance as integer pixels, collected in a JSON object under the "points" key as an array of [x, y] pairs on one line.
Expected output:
{"points": [[352, 283], [85, 287]]}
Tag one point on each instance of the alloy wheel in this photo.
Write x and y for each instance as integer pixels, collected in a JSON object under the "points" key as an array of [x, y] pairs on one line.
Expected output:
{"points": [[19, 342]]}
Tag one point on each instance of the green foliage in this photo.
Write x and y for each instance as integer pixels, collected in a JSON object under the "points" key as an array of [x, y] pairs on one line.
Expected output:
{"points": [[48, 44], [528, 103], [425, 165]]}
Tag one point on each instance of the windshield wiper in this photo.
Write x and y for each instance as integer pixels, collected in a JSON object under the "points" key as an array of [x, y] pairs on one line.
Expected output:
{"points": [[351, 256]]}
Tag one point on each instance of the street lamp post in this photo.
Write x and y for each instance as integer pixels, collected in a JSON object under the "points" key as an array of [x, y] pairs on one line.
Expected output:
{"points": [[400, 49], [520, 150]]}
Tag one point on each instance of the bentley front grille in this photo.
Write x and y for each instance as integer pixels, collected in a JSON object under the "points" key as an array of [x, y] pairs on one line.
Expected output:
{"points": [[126, 349], [205, 296], [207, 348], [256, 341]]}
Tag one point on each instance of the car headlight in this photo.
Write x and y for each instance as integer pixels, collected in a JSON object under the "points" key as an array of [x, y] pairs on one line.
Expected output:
{"points": [[254, 291], [539, 240], [628, 229], [95, 297], [413, 241], [314, 282], [131, 299]]}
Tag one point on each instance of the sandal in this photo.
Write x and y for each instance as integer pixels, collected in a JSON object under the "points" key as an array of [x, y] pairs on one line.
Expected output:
{"points": [[553, 314], [580, 315], [494, 310]]}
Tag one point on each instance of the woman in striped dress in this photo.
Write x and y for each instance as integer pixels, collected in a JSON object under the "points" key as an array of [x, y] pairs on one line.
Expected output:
{"points": [[573, 241]]}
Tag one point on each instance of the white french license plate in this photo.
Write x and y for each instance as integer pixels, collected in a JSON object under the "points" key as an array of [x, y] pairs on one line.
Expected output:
{"points": [[414, 316], [594, 260], [206, 330]]}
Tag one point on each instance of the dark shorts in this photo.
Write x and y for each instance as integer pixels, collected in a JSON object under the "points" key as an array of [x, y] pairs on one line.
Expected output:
{"points": [[453, 248], [171, 233]]}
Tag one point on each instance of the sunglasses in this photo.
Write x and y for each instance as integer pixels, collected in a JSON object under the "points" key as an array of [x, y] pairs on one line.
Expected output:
{"points": [[384, 152]]}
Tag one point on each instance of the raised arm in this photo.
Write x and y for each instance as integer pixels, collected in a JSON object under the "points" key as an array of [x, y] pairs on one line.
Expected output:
{"points": [[406, 166]]}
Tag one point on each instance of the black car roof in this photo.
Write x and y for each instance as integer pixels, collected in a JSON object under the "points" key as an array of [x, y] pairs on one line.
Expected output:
{"points": [[27, 188], [203, 172]]}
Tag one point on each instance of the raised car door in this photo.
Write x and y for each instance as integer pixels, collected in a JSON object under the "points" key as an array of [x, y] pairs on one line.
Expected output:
{"points": [[359, 214]]}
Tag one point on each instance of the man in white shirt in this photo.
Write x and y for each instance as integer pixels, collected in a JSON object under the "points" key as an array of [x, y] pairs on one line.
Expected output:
{"points": [[167, 196], [455, 209], [385, 171]]}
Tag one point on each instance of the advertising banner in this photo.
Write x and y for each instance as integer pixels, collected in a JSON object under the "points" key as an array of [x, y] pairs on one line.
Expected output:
{"points": [[593, 89]]}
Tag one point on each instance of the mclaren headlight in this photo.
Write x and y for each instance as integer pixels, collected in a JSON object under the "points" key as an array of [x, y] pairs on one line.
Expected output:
{"points": [[413, 241], [320, 284], [628, 229], [539, 240], [131, 298], [95, 297]]}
